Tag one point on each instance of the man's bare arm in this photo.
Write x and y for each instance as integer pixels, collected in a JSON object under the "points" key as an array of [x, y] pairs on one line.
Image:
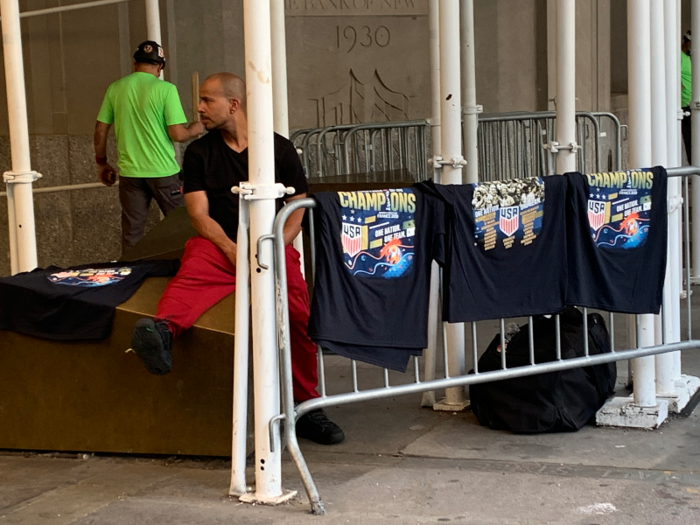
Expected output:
{"points": [[105, 172], [183, 133], [293, 224], [198, 210]]}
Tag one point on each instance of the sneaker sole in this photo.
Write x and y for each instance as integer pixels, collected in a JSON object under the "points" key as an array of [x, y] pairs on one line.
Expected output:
{"points": [[148, 345]]}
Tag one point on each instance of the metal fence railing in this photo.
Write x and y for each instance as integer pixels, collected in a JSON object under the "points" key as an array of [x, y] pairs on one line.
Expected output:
{"points": [[418, 383], [511, 145]]}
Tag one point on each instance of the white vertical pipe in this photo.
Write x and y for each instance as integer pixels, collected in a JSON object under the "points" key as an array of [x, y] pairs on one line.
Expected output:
{"points": [[566, 84], [639, 72], [672, 318], [279, 68], [434, 322], [258, 59], [679, 162], [280, 108], [20, 193], [240, 356], [436, 101], [659, 156], [471, 122], [695, 112], [451, 121], [153, 23]]}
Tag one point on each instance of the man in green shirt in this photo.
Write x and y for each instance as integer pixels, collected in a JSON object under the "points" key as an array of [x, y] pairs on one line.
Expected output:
{"points": [[147, 117], [686, 94]]}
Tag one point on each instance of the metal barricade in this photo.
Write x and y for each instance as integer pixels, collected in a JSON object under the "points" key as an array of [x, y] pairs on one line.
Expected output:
{"points": [[510, 145], [291, 413]]}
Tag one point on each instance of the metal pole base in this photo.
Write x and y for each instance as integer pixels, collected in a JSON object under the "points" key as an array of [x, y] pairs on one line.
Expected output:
{"points": [[686, 387], [444, 406], [622, 412], [252, 497]]}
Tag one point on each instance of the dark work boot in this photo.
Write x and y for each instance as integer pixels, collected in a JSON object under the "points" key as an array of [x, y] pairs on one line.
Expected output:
{"points": [[316, 426], [151, 342]]}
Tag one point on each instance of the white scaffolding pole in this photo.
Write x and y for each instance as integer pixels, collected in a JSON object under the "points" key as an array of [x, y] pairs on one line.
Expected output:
{"points": [[280, 89], [452, 167], [19, 181], [640, 143], [566, 86], [258, 59], [659, 156], [471, 109], [434, 321], [672, 305], [695, 119]]}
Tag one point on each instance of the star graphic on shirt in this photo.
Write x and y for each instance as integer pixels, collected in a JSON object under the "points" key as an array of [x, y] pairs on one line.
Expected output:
{"points": [[352, 219], [352, 211], [345, 218]]}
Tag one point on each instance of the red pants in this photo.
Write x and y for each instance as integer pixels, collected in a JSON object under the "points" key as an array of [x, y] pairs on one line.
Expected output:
{"points": [[206, 276]]}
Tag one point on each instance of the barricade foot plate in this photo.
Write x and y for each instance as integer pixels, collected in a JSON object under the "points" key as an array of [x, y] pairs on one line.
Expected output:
{"points": [[685, 387], [443, 406], [622, 412], [252, 497]]}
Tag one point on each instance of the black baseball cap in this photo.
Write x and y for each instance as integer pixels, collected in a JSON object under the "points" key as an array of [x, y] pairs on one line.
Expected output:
{"points": [[150, 52]]}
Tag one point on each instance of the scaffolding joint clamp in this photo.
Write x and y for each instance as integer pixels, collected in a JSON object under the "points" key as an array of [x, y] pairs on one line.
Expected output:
{"points": [[674, 203], [472, 110], [555, 147], [11, 177], [682, 114], [258, 192], [694, 104], [456, 162]]}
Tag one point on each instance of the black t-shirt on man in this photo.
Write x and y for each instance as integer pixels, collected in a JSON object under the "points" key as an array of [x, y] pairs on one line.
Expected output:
{"points": [[210, 165]]}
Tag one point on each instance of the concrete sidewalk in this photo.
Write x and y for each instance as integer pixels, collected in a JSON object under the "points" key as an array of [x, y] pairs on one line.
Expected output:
{"points": [[400, 464]]}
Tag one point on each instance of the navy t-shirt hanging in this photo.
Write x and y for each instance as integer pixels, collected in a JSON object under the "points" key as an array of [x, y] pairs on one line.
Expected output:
{"points": [[617, 240], [506, 249], [75, 303], [373, 256]]}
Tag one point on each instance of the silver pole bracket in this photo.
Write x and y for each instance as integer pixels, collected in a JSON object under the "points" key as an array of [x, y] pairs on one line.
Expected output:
{"points": [[682, 114], [456, 162], [259, 192], [11, 177], [694, 104], [472, 110], [433, 121], [555, 147]]}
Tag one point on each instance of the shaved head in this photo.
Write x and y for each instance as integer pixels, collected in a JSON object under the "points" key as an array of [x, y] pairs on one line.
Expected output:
{"points": [[231, 86]]}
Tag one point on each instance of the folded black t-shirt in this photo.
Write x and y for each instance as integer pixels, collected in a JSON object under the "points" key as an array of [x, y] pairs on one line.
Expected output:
{"points": [[75, 303], [617, 230]]}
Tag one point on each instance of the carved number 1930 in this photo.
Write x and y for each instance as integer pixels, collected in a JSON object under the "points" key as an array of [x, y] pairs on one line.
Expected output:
{"points": [[365, 36]]}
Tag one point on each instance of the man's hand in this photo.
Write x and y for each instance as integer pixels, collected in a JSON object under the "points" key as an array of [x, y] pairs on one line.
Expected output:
{"points": [[230, 252], [106, 174]]}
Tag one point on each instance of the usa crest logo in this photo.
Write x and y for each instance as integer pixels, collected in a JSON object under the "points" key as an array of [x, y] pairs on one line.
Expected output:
{"points": [[509, 220], [352, 239], [596, 214]]}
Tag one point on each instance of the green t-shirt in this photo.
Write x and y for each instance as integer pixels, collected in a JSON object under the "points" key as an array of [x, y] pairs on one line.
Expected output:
{"points": [[141, 107], [686, 80]]}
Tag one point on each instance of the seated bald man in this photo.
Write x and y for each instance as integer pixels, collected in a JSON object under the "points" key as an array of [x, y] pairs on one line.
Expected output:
{"points": [[212, 165]]}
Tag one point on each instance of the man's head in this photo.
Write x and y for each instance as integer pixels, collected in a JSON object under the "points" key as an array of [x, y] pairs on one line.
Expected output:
{"points": [[222, 101], [685, 44], [151, 53]]}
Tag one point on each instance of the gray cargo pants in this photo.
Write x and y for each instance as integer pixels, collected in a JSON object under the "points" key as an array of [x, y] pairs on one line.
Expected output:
{"points": [[135, 194]]}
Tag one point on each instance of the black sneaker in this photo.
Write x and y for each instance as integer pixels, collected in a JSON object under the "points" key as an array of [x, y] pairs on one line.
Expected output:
{"points": [[316, 426], [151, 342]]}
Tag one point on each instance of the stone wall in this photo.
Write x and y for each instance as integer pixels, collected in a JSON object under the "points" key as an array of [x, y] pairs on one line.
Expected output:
{"points": [[348, 61]]}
